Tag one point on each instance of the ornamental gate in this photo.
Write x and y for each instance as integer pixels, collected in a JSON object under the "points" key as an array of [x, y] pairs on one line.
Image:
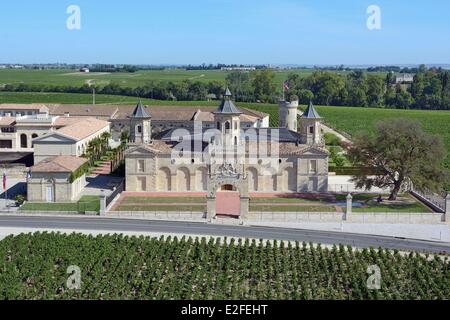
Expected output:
{"points": [[239, 190]]}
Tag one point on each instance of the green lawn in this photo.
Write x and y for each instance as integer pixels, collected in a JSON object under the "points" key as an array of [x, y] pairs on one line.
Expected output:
{"points": [[175, 208], [288, 200], [275, 208], [140, 200], [63, 77], [375, 207], [86, 203]]}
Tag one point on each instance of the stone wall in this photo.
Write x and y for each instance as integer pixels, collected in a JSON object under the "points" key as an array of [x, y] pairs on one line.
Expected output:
{"points": [[16, 171], [366, 217], [162, 173], [63, 189]]}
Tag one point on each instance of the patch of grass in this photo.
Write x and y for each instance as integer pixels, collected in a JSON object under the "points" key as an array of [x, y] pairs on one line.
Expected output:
{"points": [[275, 208], [175, 208], [86, 203], [164, 200], [50, 206], [380, 207], [359, 196], [284, 200], [70, 77]]}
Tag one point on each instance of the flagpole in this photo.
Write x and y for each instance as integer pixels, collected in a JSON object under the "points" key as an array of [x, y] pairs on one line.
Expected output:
{"points": [[4, 186]]}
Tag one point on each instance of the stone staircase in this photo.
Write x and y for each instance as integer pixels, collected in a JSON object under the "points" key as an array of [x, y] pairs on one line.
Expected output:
{"points": [[103, 169]]}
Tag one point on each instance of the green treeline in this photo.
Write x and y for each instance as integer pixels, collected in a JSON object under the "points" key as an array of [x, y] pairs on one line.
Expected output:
{"points": [[429, 90]]}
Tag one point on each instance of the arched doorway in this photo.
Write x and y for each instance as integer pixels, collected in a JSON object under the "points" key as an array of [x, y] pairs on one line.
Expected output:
{"points": [[183, 179], [201, 179], [33, 136], [227, 197], [289, 180], [228, 201], [164, 180], [252, 175], [23, 141]]}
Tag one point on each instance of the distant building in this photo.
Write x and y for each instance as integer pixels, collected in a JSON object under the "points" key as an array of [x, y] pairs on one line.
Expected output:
{"points": [[238, 68], [84, 70], [404, 78]]}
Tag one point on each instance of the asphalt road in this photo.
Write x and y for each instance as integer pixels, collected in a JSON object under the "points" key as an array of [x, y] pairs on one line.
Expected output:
{"points": [[128, 225]]}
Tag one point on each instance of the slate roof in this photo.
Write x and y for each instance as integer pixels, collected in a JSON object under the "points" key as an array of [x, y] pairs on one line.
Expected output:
{"points": [[227, 105], [140, 112], [311, 113], [89, 110], [252, 134]]}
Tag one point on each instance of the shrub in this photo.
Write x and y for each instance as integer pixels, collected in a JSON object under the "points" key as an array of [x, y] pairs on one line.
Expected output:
{"points": [[331, 139], [20, 199]]}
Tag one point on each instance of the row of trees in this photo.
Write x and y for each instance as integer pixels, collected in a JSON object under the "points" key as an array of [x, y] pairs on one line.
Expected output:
{"points": [[430, 89]]}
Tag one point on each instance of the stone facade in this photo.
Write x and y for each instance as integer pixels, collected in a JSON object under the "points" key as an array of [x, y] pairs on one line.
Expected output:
{"points": [[51, 180], [294, 167], [151, 171], [54, 187]]}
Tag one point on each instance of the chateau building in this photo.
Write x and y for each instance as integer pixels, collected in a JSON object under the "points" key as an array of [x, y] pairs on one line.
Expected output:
{"points": [[228, 156]]}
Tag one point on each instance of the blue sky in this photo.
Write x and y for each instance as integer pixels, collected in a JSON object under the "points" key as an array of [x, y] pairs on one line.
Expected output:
{"points": [[225, 31]]}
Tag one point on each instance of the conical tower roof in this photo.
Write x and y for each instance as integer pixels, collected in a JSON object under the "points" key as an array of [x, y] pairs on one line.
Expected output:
{"points": [[139, 111], [311, 113], [227, 105]]}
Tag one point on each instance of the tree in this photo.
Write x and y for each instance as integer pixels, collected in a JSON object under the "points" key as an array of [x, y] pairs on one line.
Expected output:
{"points": [[403, 99], [264, 85], [375, 91], [124, 137], [399, 152], [239, 84]]}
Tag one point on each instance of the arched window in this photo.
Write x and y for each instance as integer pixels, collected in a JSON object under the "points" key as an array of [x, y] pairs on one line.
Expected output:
{"points": [[227, 125], [23, 141], [218, 125], [235, 141], [33, 136]]}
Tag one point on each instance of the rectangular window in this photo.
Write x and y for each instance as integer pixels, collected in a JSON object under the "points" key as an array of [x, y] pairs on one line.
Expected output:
{"points": [[311, 130], [312, 166], [140, 166]]}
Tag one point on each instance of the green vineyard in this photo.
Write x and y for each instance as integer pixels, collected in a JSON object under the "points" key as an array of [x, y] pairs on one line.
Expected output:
{"points": [[120, 267]]}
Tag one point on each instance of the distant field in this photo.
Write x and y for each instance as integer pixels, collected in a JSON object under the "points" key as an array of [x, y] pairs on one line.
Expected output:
{"points": [[61, 77], [344, 119]]}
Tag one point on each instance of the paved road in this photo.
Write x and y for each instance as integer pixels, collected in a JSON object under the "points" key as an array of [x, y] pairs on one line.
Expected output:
{"points": [[127, 225]]}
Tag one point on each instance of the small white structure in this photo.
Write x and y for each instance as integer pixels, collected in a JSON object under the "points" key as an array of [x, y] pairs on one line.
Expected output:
{"points": [[52, 181], [404, 78]]}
